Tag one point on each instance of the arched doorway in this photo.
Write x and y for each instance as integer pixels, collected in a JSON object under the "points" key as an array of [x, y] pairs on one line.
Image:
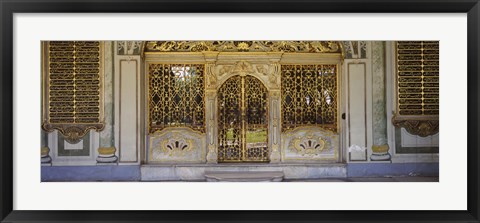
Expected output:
{"points": [[243, 120]]}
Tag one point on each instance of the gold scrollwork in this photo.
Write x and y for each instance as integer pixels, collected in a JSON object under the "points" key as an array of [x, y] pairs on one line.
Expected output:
{"points": [[423, 128], [245, 46]]}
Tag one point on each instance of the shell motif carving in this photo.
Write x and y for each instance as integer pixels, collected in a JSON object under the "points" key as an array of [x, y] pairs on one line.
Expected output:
{"points": [[176, 146], [309, 145]]}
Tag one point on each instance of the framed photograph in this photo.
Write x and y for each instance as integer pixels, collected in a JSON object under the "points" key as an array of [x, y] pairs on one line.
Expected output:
{"points": [[201, 111]]}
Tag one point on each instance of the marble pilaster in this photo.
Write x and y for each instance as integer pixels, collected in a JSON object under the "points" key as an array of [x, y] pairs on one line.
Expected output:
{"points": [[380, 146], [106, 135], [106, 151]]}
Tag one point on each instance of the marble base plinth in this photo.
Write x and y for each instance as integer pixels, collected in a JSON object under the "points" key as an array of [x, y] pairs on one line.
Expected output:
{"points": [[196, 172], [107, 159], [46, 160], [380, 157], [250, 176]]}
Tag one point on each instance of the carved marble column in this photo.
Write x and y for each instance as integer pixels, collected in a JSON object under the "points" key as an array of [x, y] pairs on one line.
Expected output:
{"points": [[106, 135], [380, 146]]}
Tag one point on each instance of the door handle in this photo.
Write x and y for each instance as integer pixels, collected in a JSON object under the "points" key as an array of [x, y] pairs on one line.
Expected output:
{"points": [[343, 116]]}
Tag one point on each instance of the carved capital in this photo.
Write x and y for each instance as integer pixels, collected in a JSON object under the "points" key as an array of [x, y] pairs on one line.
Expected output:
{"points": [[211, 77]]}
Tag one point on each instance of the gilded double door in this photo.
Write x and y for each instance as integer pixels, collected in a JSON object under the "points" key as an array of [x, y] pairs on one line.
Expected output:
{"points": [[243, 120]]}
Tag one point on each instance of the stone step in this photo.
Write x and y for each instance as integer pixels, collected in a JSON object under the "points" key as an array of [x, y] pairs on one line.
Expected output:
{"points": [[244, 176]]}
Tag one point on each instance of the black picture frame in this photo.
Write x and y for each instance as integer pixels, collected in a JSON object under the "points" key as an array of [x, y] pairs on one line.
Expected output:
{"points": [[9, 7]]}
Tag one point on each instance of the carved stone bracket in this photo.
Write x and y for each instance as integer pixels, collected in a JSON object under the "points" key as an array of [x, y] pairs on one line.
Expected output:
{"points": [[73, 133], [418, 127]]}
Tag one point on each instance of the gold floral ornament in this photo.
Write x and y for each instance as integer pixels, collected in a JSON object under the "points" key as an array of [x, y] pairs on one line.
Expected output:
{"points": [[421, 128], [244, 46]]}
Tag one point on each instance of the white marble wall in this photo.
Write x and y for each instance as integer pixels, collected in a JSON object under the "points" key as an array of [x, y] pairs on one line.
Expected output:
{"points": [[128, 103], [357, 88]]}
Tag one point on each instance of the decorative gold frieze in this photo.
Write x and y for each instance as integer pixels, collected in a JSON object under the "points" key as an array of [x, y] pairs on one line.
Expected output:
{"points": [[73, 88], [245, 46]]}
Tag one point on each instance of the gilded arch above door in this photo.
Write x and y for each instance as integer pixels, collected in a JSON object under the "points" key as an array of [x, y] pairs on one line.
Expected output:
{"points": [[267, 73]]}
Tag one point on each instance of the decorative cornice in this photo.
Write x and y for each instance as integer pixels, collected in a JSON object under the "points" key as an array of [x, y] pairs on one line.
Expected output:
{"points": [[73, 133], [244, 46], [423, 128]]}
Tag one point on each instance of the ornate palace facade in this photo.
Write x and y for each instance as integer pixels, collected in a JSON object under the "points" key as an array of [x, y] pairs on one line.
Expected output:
{"points": [[239, 110]]}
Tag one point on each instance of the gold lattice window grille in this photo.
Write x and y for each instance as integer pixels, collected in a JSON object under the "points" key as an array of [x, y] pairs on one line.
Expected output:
{"points": [[72, 87], [417, 86], [176, 95], [309, 96]]}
